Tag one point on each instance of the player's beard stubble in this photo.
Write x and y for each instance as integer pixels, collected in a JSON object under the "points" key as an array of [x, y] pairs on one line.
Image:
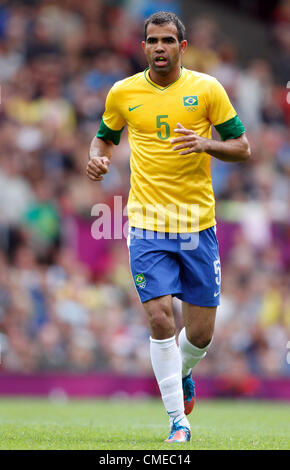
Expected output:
{"points": [[172, 62]]}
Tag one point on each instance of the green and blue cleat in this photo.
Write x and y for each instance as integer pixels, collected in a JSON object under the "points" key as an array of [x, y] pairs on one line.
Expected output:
{"points": [[178, 433], [188, 393]]}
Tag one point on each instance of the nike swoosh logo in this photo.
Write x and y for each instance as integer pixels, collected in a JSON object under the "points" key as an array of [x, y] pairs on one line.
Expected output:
{"points": [[216, 294], [132, 109]]}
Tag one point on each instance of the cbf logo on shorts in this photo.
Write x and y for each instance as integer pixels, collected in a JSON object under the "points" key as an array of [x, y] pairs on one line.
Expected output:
{"points": [[140, 281]]}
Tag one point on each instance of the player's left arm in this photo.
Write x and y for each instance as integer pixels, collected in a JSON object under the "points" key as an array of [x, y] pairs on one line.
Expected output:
{"points": [[231, 150]]}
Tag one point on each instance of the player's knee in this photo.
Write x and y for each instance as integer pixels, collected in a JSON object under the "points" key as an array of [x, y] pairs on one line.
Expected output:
{"points": [[161, 324], [159, 321], [161, 318], [200, 341], [157, 308]]}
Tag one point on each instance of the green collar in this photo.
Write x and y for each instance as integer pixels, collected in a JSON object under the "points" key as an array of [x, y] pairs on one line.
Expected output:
{"points": [[147, 78]]}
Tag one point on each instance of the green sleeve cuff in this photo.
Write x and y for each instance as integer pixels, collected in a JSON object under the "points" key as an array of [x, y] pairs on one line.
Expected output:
{"points": [[105, 133], [231, 129]]}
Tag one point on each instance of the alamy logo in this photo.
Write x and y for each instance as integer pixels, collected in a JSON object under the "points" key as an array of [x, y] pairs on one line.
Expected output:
{"points": [[182, 219]]}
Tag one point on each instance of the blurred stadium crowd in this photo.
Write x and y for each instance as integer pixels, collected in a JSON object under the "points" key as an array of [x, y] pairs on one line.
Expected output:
{"points": [[67, 301]]}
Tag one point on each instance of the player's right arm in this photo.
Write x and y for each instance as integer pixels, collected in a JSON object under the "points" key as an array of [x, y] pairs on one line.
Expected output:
{"points": [[99, 158], [109, 134]]}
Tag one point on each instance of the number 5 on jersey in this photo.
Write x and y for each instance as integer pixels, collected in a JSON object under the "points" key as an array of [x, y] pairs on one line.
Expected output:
{"points": [[164, 129]]}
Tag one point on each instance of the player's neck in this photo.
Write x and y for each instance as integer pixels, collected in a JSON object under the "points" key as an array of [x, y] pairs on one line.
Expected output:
{"points": [[164, 80]]}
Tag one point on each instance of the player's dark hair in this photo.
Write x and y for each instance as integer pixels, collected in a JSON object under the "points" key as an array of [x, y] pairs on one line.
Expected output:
{"points": [[164, 17]]}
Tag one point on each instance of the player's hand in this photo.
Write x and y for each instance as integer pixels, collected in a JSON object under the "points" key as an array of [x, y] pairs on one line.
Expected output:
{"points": [[97, 167], [189, 140]]}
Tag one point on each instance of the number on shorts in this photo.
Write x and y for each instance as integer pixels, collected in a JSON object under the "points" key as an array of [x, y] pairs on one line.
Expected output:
{"points": [[217, 270]]}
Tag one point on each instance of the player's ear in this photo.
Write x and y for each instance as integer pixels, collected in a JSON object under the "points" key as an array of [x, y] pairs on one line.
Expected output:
{"points": [[143, 45], [183, 46]]}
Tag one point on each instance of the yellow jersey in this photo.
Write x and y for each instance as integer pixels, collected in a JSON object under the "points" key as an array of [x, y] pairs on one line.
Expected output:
{"points": [[169, 192]]}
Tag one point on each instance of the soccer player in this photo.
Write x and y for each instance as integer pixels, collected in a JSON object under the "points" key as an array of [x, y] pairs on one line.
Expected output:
{"points": [[169, 111]]}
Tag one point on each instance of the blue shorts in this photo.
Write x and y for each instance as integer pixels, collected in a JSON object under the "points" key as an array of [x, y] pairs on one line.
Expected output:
{"points": [[184, 265]]}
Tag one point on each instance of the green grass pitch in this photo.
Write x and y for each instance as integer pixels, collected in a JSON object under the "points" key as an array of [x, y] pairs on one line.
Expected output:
{"points": [[140, 424]]}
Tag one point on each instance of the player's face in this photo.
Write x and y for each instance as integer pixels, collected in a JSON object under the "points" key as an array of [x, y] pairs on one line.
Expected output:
{"points": [[162, 48]]}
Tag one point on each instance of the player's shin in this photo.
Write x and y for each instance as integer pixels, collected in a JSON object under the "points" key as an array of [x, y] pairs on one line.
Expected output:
{"points": [[190, 354], [166, 363]]}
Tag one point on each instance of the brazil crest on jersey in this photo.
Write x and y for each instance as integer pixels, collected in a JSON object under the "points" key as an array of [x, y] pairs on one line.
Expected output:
{"points": [[169, 192]]}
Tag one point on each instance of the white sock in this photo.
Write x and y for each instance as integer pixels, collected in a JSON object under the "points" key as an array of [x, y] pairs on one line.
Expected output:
{"points": [[166, 363], [190, 354]]}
